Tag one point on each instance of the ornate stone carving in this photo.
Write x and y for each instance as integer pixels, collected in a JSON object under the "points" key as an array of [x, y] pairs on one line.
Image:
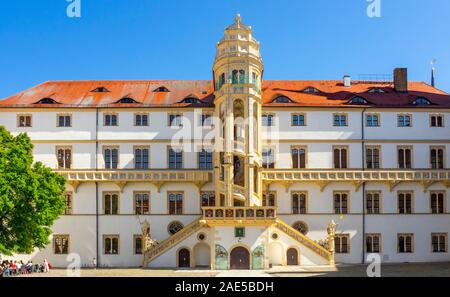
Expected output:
{"points": [[147, 242]]}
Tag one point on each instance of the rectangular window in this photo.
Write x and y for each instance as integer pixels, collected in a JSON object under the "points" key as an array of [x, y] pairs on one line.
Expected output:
{"points": [[404, 120], [373, 157], [111, 244], [64, 120], [111, 157], [437, 154], [342, 244], [175, 158], [175, 120], [61, 244], [23, 120], [208, 199], [68, 196], [110, 119], [299, 202], [372, 120], [175, 203], [298, 155], [404, 157], [373, 243], [206, 120], [340, 120], [141, 157], [298, 119], [205, 159], [436, 120], [373, 202], [64, 156], [111, 203], [141, 119], [340, 157], [437, 202], [405, 202], [268, 158], [405, 243], [267, 120], [141, 203], [137, 244], [341, 202], [439, 242], [269, 199]]}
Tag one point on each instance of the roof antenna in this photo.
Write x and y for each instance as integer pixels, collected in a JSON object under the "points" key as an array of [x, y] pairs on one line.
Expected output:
{"points": [[433, 68]]}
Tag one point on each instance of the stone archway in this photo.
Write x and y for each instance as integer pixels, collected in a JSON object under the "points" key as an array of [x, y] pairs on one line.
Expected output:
{"points": [[292, 256], [240, 258], [184, 258], [202, 255]]}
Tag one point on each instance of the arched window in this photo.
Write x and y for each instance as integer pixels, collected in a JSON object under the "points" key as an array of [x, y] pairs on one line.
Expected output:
{"points": [[100, 90], [238, 77], [310, 90], [282, 99], [191, 99], [376, 90], [357, 100], [127, 100], [421, 101], [300, 227], [161, 89], [46, 101]]}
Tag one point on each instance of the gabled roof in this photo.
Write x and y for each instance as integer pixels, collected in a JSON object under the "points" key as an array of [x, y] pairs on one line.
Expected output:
{"points": [[332, 94]]}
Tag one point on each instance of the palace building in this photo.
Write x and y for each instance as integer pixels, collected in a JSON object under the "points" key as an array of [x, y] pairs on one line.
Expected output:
{"points": [[238, 172]]}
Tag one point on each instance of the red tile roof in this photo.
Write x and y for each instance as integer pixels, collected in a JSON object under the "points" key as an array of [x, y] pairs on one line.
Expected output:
{"points": [[332, 93]]}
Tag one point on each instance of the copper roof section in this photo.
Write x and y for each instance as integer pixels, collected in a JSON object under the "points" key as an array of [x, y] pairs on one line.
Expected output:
{"points": [[332, 93]]}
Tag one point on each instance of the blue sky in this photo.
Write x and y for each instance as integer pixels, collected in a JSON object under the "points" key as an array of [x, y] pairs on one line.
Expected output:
{"points": [[174, 39]]}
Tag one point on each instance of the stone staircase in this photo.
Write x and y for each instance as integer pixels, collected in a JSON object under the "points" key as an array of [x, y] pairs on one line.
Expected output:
{"points": [[304, 240], [158, 249]]}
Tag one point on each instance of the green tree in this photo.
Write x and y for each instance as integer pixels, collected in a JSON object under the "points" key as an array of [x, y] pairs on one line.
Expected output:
{"points": [[31, 196]]}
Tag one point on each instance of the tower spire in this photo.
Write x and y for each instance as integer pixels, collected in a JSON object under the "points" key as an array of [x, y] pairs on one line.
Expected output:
{"points": [[433, 68]]}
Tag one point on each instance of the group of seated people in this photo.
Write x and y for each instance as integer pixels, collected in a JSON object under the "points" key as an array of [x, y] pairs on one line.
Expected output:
{"points": [[13, 268]]}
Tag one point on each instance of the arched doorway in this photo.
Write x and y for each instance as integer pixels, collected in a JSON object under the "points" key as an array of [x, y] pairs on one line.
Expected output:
{"points": [[202, 255], [184, 258], [239, 258], [292, 256], [275, 254]]}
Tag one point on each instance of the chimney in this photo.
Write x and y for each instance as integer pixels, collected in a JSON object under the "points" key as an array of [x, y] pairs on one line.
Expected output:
{"points": [[347, 81], [401, 80]]}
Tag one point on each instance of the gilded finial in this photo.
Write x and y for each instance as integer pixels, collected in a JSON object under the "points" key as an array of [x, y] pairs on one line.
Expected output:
{"points": [[238, 19]]}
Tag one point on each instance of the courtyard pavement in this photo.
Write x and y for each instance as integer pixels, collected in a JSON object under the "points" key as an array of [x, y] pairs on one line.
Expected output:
{"points": [[391, 270]]}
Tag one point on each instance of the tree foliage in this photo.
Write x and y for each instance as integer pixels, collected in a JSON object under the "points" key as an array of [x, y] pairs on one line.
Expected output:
{"points": [[31, 196]]}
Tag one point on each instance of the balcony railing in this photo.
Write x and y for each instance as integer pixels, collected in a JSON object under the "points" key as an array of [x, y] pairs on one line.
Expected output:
{"points": [[354, 175], [137, 175], [238, 213]]}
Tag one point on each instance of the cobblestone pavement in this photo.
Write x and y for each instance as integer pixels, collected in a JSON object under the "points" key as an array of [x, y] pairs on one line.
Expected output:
{"points": [[407, 270]]}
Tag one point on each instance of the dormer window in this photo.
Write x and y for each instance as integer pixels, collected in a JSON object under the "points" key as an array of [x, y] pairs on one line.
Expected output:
{"points": [[377, 91], [282, 99], [46, 101], [161, 89], [191, 100], [127, 100], [310, 90], [100, 90], [421, 101], [357, 100]]}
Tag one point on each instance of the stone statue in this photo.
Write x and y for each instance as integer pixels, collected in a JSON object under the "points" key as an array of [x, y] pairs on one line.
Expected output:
{"points": [[147, 241], [331, 230]]}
